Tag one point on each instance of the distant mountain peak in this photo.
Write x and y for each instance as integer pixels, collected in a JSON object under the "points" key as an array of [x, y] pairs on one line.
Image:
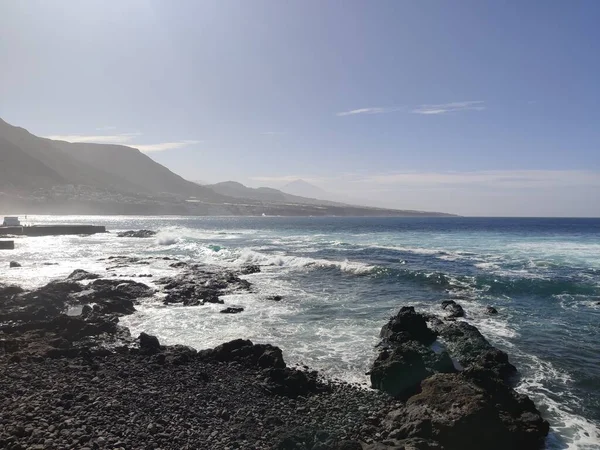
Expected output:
{"points": [[304, 189]]}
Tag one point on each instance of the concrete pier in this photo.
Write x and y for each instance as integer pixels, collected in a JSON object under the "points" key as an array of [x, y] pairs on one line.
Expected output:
{"points": [[52, 230]]}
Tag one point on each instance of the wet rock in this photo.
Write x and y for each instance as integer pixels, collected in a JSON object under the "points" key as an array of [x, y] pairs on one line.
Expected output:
{"points": [[453, 309], [178, 264], [137, 234], [232, 310], [80, 274], [14, 264], [149, 344], [275, 298], [408, 325], [491, 310], [198, 285], [263, 355], [459, 414], [471, 349], [400, 370], [10, 290], [249, 269]]}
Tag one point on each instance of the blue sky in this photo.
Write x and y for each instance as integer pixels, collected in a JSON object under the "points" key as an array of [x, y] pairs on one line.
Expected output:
{"points": [[472, 107]]}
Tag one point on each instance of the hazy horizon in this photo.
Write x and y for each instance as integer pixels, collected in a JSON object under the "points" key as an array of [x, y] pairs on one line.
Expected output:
{"points": [[474, 108]]}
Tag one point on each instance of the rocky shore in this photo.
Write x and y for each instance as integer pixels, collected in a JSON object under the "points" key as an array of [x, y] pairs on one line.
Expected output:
{"points": [[72, 377]]}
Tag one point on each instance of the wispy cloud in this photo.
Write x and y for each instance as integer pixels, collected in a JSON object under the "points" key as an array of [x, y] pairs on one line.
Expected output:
{"points": [[504, 179], [127, 139], [122, 138], [443, 108], [376, 110], [146, 148]]}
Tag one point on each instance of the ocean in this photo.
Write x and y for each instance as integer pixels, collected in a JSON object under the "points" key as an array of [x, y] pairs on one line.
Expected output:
{"points": [[341, 279]]}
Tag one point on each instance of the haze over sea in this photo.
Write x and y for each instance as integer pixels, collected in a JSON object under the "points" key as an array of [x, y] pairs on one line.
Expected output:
{"points": [[341, 278]]}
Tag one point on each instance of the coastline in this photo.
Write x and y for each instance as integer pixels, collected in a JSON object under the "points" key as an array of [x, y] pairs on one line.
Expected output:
{"points": [[46, 355]]}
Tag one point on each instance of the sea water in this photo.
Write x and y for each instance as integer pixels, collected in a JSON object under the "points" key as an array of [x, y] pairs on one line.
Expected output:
{"points": [[341, 279]]}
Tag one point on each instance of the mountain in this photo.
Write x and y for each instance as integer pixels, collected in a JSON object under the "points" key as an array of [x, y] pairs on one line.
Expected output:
{"points": [[44, 176], [111, 167], [266, 194], [304, 189]]}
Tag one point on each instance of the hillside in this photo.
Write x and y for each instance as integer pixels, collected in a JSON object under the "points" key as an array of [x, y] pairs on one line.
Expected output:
{"points": [[39, 175], [266, 194], [114, 167]]}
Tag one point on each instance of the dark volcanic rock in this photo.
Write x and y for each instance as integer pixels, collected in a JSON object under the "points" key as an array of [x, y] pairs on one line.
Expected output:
{"points": [[467, 344], [407, 358], [232, 310], [14, 264], [491, 310], [137, 234], [459, 414], [80, 274], [249, 269], [148, 343], [9, 290], [198, 285], [275, 298], [453, 309], [408, 325]]}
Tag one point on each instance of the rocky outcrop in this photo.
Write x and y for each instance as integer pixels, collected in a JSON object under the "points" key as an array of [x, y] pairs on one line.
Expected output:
{"points": [[250, 269], [232, 310], [453, 309], [446, 402], [14, 264], [491, 310], [81, 275], [406, 357], [459, 414], [198, 285], [137, 234]]}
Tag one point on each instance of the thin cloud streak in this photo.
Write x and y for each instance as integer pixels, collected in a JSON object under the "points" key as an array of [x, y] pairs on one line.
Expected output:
{"points": [[476, 105], [123, 139], [97, 139], [377, 110], [164, 146]]}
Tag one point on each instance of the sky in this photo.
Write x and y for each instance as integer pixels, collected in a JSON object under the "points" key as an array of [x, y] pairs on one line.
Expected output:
{"points": [[471, 107]]}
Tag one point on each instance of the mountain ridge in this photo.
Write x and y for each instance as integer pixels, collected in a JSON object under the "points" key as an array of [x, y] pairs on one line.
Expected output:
{"points": [[40, 175]]}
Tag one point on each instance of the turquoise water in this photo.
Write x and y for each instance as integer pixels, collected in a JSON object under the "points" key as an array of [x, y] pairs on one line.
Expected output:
{"points": [[341, 278]]}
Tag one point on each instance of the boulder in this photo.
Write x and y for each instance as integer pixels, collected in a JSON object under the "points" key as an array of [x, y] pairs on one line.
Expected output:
{"points": [[453, 309], [14, 264], [408, 325], [232, 310], [457, 413], [491, 310], [249, 269], [241, 350], [275, 298], [472, 350], [149, 344], [129, 289], [80, 275], [291, 382], [399, 371], [137, 234]]}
